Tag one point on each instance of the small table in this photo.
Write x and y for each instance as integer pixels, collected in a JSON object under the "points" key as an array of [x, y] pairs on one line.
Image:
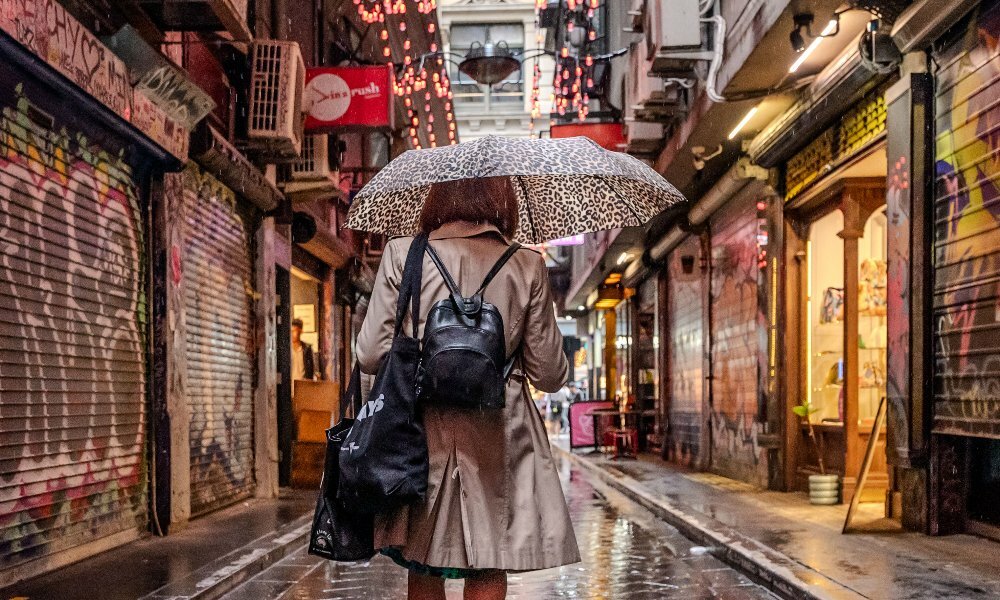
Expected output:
{"points": [[629, 419], [596, 415]]}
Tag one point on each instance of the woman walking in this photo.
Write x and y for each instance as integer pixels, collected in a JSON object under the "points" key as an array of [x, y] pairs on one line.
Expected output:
{"points": [[494, 503]]}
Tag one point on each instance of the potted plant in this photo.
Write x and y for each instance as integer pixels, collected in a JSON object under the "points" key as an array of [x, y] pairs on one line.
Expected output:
{"points": [[823, 488]]}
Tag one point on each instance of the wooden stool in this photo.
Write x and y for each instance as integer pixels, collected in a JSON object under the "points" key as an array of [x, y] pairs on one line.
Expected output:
{"points": [[624, 441]]}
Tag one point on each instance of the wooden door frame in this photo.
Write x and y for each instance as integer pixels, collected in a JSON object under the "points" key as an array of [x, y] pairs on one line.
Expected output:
{"points": [[857, 199]]}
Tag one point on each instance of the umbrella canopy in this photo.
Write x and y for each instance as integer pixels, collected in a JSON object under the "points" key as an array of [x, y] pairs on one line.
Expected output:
{"points": [[565, 186]]}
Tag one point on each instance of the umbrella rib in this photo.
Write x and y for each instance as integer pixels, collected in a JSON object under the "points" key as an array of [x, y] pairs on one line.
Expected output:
{"points": [[527, 206], [631, 208]]}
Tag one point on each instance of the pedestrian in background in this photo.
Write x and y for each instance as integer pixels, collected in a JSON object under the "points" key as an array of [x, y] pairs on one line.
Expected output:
{"points": [[573, 393], [573, 396], [303, 363], [557, 402], [494, 503]]}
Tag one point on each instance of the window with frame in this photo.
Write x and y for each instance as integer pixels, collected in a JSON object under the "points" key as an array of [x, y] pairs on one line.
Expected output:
{"points": [[468, 93]]}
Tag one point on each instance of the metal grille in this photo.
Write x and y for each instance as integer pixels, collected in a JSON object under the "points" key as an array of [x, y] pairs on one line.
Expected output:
{"points": [[686, 355], [315, 161], [219, 341], [861, 125], [735, 410], [808, 165], [274, 117], [856, 130], [266, 87], [967, 236], [72, 345]]}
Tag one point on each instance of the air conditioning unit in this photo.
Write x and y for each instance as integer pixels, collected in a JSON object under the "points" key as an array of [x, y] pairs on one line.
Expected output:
{"points": [[314, 162], [274, 115], [648, 97], [309, 177], [673, 36]]}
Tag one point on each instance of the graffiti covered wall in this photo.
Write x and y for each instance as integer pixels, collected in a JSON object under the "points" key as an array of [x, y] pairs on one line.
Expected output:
{"points": [[72, 343], [685, 348], [736, 412], [212, 353], [967, 231]]}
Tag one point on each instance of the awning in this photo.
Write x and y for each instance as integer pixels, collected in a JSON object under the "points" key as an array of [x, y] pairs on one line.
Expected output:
{"points": [[220, 158], [841, 84]]}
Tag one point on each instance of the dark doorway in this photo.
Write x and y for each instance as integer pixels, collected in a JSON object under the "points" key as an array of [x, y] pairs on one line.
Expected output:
{"points": [[984, 481], [286, 425]]}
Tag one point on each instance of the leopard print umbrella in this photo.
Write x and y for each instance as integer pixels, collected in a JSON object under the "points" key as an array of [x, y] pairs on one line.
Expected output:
{"points": [[565, 186]]}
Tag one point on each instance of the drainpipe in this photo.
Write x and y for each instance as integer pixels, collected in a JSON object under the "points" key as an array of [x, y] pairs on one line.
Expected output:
{"points": [[279, 10], [730, 184]]}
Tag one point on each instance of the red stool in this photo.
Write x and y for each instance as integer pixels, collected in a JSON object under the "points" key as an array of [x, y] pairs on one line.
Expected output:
{"points": [[625, 441]]}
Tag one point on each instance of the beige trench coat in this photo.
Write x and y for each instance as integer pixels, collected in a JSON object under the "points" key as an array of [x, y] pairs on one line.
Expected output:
{"points": [[493, 498]]}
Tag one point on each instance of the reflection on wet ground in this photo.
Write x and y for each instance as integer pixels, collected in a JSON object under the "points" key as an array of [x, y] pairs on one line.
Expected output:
{"points": [[627, 553]]}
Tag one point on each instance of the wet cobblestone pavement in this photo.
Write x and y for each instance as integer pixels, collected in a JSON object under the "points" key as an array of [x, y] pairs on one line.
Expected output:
{"points": [[627, 553]]}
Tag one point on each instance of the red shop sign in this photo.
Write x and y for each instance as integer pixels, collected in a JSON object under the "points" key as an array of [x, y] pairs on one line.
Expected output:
{"points": [[607, 135], [339, 97]]}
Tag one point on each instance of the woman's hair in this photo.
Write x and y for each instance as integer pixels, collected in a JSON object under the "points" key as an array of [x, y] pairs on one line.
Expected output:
{"points": [[478, 200]]}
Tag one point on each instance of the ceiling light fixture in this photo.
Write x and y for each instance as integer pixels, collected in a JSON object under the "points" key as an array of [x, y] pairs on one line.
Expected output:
{"points": [[829, 30], [743, 122]]}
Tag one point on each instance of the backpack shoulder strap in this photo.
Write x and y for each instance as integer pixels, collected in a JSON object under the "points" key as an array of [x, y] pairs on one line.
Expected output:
{"points": [[448, 280], [409, 288], [506, 256]]}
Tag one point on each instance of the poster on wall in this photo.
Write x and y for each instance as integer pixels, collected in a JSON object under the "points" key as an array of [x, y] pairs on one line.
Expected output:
{"points": [[581, 422], [348, 97]]}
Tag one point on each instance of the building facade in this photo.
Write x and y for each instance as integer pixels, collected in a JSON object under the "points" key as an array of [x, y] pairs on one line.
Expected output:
{"points": [[504, 108], [833, 259], [165, 215]]}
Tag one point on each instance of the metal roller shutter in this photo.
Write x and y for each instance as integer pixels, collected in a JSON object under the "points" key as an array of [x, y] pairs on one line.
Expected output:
{"points": [[218, 271], [735, 400], [72, 345], [686, 355], [967, 232]]}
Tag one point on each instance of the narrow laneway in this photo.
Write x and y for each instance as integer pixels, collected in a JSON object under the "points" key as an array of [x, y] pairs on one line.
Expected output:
{"points": [[627, 553]]}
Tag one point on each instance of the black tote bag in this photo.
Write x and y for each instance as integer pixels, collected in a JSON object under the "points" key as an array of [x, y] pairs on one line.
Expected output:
{"points": [[383, 461], [337, 533]]}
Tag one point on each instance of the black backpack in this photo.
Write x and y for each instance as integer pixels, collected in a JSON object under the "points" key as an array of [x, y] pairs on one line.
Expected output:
{"points": [[464, 359]]}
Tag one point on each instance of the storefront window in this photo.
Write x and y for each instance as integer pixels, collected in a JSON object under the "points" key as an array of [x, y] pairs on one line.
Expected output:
{"points": [[305, 292], [825, 331], [623, 354], [872, 334], [645, 346]]}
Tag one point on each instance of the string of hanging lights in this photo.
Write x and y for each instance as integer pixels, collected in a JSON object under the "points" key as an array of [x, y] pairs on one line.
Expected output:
{"points": [[577, 25], [415, 84], [575, 60], [536, 72]]}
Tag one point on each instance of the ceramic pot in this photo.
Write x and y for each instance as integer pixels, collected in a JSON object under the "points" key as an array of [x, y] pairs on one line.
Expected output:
{"points": [[824, 489]]}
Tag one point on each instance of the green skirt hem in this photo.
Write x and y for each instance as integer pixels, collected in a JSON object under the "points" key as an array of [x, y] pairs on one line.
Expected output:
{"points": [[427, 570]]}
